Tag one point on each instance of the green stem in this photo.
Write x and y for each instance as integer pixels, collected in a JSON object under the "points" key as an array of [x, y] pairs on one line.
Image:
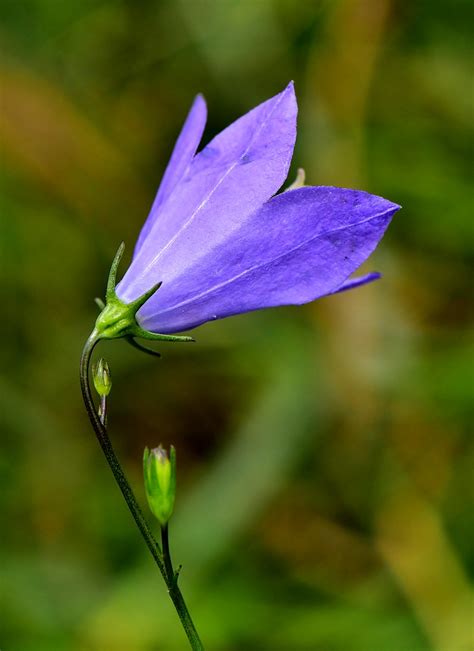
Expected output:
{"points": [[166, 553], [175, 593], [107, 449], [163, 561]]}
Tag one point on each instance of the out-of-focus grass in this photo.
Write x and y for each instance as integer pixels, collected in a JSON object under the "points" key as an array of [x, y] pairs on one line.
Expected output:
{"points": [[325, 458]]}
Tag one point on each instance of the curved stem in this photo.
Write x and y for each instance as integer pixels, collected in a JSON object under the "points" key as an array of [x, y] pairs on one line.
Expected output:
{"points": [[107, 449], [103, 438]]}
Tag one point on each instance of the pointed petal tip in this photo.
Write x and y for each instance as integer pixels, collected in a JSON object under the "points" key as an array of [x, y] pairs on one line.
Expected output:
{"points": [[290, 90], [389, 206], [287, 100], [200, 102], [199, 110], [358, 281], [394, 206], [368, 278]]}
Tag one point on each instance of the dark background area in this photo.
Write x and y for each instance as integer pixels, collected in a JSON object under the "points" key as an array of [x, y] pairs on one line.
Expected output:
{"points": [[325, 461]]}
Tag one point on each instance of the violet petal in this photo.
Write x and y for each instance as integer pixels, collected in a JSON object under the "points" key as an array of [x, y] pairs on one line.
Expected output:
{"points": [[352, 283], [183, 153], [228, 180], [297, 247]]}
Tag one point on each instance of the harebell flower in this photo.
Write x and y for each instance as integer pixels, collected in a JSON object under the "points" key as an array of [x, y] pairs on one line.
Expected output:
{"points": [[222, 239]]}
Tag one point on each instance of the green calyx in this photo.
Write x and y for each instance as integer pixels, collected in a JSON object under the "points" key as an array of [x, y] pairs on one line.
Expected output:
{"points": [[118, 319]]}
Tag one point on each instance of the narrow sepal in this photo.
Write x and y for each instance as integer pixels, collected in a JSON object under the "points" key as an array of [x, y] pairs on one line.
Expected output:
{"points": [[118, 319], [153, 336], [112, 280], [141, 300], [144, 349]]}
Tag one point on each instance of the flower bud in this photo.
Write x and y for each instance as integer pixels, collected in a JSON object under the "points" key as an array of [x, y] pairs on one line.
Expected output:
{"points": [[159, 472], [102, 378]]}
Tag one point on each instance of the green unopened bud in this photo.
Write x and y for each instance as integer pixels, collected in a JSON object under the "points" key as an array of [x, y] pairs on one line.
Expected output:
{"points": [[102, 378], [159, 472]]}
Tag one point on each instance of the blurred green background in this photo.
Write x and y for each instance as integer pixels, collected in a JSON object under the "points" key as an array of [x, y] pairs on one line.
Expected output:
{"points": [[325, 491]]}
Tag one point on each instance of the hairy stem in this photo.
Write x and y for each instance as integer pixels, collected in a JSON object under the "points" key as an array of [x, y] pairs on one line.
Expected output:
{"points": [[162, 560]]}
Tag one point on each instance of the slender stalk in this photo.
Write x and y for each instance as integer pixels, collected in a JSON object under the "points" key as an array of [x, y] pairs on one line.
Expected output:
{"points": [[106, 445], [163, 561], [103, 410], [166, 553], [176, 595]]}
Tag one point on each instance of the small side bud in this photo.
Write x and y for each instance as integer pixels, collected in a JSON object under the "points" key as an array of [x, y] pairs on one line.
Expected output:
{"points": [[300, 180], [102, 378], [159, 472]]}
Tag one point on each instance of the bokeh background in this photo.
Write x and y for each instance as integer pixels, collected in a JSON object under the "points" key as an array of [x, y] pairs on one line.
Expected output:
{"points": [[325, 460]]}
